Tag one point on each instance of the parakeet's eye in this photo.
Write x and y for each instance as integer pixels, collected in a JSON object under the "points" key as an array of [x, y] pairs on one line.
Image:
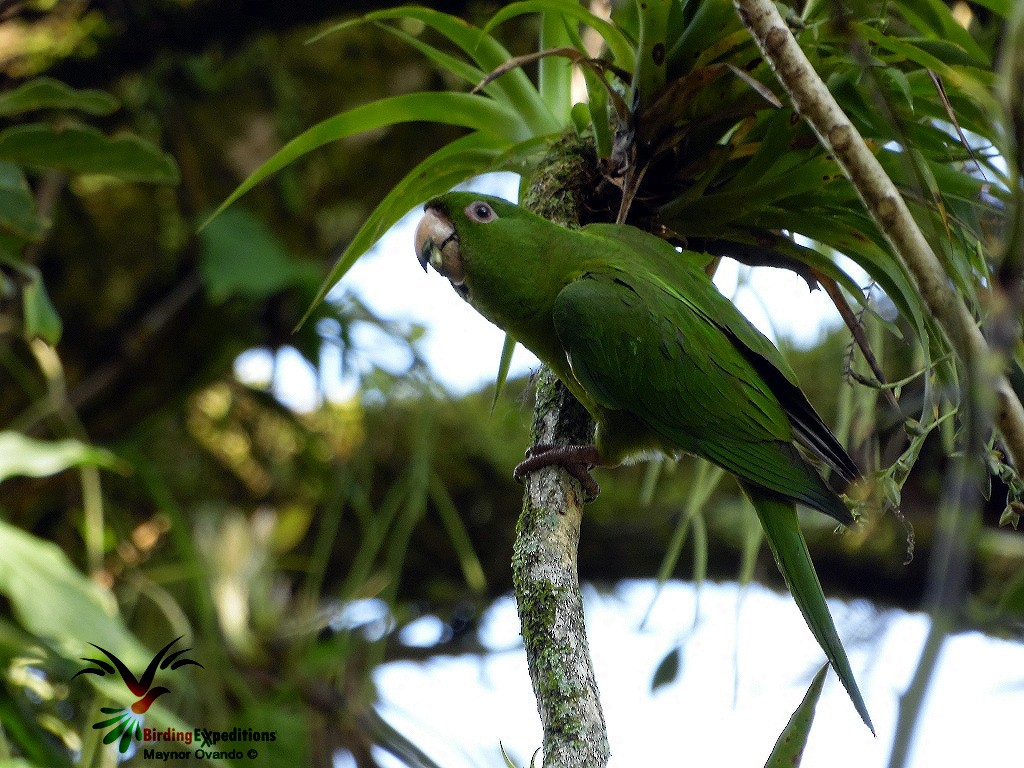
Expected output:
{"points": [[480, 212]]}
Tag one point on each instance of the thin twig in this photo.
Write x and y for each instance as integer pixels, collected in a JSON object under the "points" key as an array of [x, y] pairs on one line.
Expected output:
{"points": [[831, 287]]}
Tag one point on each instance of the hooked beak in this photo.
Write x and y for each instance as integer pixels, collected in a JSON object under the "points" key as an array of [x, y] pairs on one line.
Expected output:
{"points": [[437, 244]]}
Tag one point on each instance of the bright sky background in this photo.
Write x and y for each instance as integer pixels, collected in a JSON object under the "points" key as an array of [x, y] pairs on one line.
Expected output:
{"points": [[458, 710]]}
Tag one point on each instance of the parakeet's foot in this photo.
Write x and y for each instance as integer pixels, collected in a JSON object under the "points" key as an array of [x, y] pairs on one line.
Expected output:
{"points": [[577, 460]]}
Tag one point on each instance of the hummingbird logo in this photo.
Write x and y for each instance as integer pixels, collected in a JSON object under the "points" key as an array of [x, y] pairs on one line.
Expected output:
{"points": [[128, 722]]}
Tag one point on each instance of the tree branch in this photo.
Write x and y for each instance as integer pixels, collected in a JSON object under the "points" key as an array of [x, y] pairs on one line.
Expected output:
{"points": [[546, 584], [812, 100], [544, 566]]}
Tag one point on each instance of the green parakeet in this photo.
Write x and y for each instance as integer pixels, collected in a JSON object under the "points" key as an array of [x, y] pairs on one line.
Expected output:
{"points": [[662, 361]]}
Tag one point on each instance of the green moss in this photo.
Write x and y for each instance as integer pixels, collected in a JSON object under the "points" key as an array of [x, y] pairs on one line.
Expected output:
{"points": [[553, 680], [560, 184]]}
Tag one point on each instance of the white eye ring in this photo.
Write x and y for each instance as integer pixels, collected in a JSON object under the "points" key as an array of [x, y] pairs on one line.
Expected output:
{"points": [[480, 212]]}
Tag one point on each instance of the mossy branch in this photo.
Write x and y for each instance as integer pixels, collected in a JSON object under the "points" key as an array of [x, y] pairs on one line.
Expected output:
{"points": [[544, 566], [815, 103]]}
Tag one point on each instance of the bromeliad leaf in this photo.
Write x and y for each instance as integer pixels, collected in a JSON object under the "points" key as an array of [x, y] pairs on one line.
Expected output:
{"points": [[468, 110], [451, 165], [514, 90], [619, 45]]}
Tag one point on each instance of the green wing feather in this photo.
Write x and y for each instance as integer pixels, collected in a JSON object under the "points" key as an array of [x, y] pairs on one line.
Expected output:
{"points": [[685, 281], [636, 346]]}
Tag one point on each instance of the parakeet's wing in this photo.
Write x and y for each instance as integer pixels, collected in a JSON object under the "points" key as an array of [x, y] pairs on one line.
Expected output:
{"points": [[638, 346], [689, 284]]}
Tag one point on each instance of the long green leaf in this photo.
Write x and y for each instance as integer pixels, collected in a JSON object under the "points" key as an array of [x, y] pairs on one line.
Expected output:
{"points": [[622, 50], [469, 561], [706, 478], [649, 71], [469, 73], [789, 749], [515, 87], [711, 22], [452, 164], [977, 84], [507, 350], [554, 73], [464, 109]]}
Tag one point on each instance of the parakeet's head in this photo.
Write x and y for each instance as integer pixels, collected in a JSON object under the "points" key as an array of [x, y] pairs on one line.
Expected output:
{"points": [[460, 231], [506, 261]]}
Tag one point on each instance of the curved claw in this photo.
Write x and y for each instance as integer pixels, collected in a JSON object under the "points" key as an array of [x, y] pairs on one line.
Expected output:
{"points": [[577, 460]]}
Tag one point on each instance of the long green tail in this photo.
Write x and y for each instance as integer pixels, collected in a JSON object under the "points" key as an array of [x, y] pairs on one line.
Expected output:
{"points": [[779, 520]]}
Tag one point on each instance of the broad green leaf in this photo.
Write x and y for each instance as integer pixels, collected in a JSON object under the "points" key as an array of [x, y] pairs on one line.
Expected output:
{"points": [[65, 609], [789, 749], [622, 50], [17, 208], [649, 71], [47, 93], [21, 455], [39, 315], [554, 73], [464, 109], [36, 574], [82, 149], [240, 256]]}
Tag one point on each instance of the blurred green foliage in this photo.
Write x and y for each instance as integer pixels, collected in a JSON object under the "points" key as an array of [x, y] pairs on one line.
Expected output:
{"points": [[145, 492]]}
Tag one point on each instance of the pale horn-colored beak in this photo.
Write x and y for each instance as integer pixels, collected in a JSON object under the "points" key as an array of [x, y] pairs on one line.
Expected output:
{"points": [[438, 245]]}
